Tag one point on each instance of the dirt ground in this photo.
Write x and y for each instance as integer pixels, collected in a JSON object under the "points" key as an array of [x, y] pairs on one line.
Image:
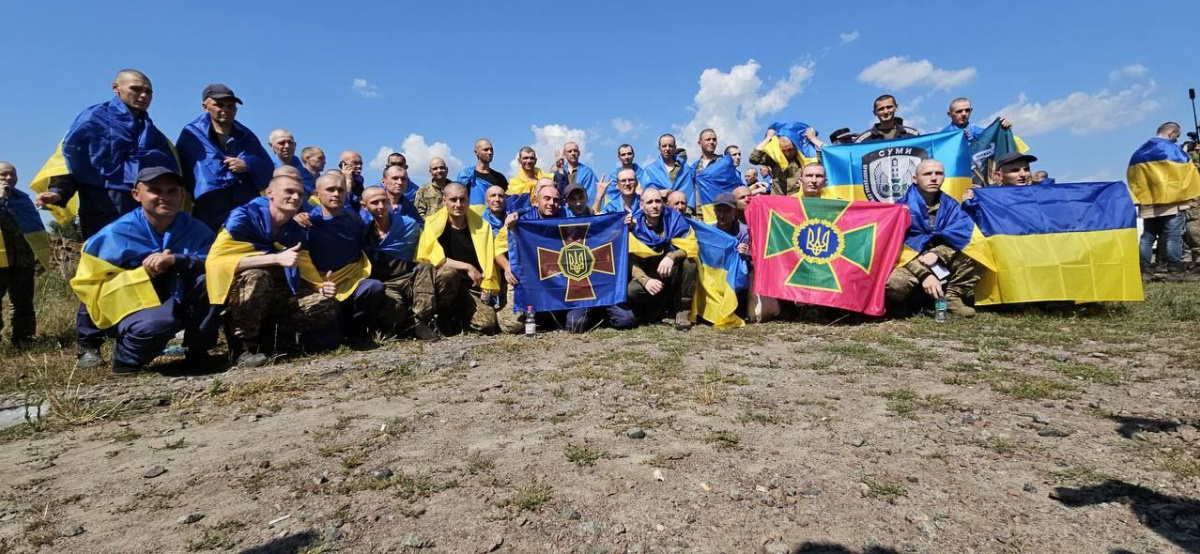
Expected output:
{"points": [[1060, 431]]}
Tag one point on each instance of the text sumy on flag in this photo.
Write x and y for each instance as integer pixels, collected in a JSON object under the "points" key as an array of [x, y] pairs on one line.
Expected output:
{"points": [[827, 252], [563, 264], [1074, 242], [882, 171]]}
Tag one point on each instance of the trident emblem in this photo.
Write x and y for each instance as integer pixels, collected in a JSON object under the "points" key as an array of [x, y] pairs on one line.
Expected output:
{"points": [[818, 241]]}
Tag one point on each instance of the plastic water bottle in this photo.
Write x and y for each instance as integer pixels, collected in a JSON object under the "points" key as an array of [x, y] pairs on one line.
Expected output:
{"points": [[940, 312], [530, 322]]}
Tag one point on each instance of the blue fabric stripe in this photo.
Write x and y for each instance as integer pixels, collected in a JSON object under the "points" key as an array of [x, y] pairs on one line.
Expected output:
{"points": [[1059, 208], [1159, 149]]}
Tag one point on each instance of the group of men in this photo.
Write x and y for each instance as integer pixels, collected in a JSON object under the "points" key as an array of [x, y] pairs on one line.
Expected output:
{"points": [[282, 254]]}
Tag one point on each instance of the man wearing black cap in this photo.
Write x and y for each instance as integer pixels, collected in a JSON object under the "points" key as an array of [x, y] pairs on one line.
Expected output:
{"points": [[577, 201], [842, 136], [889, 126], [224, 165], [142, 276], [1013, 169]]}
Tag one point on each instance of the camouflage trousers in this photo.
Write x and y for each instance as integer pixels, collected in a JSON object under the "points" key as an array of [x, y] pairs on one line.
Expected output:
{"points": [[459, 302], [410, 298], [1191, 233], [903, 285], [262, 296]]}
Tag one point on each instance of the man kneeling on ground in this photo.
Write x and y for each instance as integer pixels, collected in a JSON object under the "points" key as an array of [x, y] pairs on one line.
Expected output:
{"points": [[459, 243], [391, 242]]}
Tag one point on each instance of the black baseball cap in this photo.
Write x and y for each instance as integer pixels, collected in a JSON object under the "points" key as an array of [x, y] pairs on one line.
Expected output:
{"points": [[571, 189], [840, 134], [147, 174], [217, 91], [1014, 157], [726, 199]]}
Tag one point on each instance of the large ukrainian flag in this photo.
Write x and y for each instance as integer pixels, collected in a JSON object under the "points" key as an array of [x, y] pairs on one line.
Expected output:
{"points": [[1161, 173], [882, 171], [32, 230], [721, 272], [1073, 242]]}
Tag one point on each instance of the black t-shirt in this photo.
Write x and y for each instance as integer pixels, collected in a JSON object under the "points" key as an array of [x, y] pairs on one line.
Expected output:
{"points": [[493, 177], [457, 245]]}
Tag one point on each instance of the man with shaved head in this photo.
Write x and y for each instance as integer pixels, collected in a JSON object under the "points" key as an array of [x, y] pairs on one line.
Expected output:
{"points": [[670, 171], [283, 145], [568, 170], [708, 150], [677, 201], [350, 163], [23, 245], [742, 196], [481, 176], [460, 245], [889, 126], [391, 243], [960, 119], [939, 271], [314, 160], [784, 181], [495, 207], [396, 183], [812, 180], [429, 196], [662, 275], [224, 164], [101, 155]]}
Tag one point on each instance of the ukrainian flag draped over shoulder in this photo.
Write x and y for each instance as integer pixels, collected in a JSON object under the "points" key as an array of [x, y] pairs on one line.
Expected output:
{"points": [[520, 189], [718, 177], [1161, 173], [658, 176], [249, 232], [430, 250], [335, 245], [721, 272], [882, 171], [1074, 242], [794, 131], [952, 226], [584, 177], [111, 282], [677, 234], [105, 147], [30, 225], [400, 242]]}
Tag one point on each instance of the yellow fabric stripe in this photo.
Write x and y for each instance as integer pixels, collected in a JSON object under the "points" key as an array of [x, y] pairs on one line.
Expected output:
{"points": [[714, 300], [954, 186], [1095, 266], [3, 253], [519, 184], [346, 279], [54, 167], [221, 266], [430, 250], [110, 293], [1162, 182], [708, 214], [39, 241], [1021, 146]]}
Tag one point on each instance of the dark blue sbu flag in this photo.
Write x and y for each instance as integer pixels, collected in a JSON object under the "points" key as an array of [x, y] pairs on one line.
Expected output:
{"points": [[563, 264]]}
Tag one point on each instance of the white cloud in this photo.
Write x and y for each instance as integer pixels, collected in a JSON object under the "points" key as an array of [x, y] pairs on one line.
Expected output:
{"points": [[621, 125], [418, 154], [1081, 112], [731, 104], [548, 139], [898, 73], [1131, 70], [364, 88], [847, 38]]}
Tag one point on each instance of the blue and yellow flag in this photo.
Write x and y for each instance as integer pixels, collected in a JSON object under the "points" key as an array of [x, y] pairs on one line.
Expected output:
{"points": [[520, 190], [658, 176], [1161, 173], [1074, 242], [951, 226], [564, 264], [794, 131], [30, 224], [429, 249], [718, 177], [882, 171], [249, 231], [335, 246], [721, 272], [110, 280]]}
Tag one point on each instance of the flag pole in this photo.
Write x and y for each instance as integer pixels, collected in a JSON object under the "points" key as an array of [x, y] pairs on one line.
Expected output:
{"points": [[1195, 122]]}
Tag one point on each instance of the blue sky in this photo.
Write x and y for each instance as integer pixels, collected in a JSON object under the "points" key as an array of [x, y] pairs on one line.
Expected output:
{"points": [[1086, 83]]}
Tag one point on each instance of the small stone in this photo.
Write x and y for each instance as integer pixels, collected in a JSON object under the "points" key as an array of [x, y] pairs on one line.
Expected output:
{"points": [[1013, 492], [570, 513], [618, 529], [264, 464], [71, 531], [46, 465], [382, 473], [927, 529], [333, 533], [473, 364], [591, 527], [189, 519], [1029, 488], [1053, 433], [154, 472], [560, 413], [917, 518], [320, 480], [659, 527], [983, 436], [658, 475], [254, 418], [858, 442], [775, 546], [1040, 418], [1138, 435], [413, 540], [636, 433], [635, 548], [491, 546], [735, 494]]}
